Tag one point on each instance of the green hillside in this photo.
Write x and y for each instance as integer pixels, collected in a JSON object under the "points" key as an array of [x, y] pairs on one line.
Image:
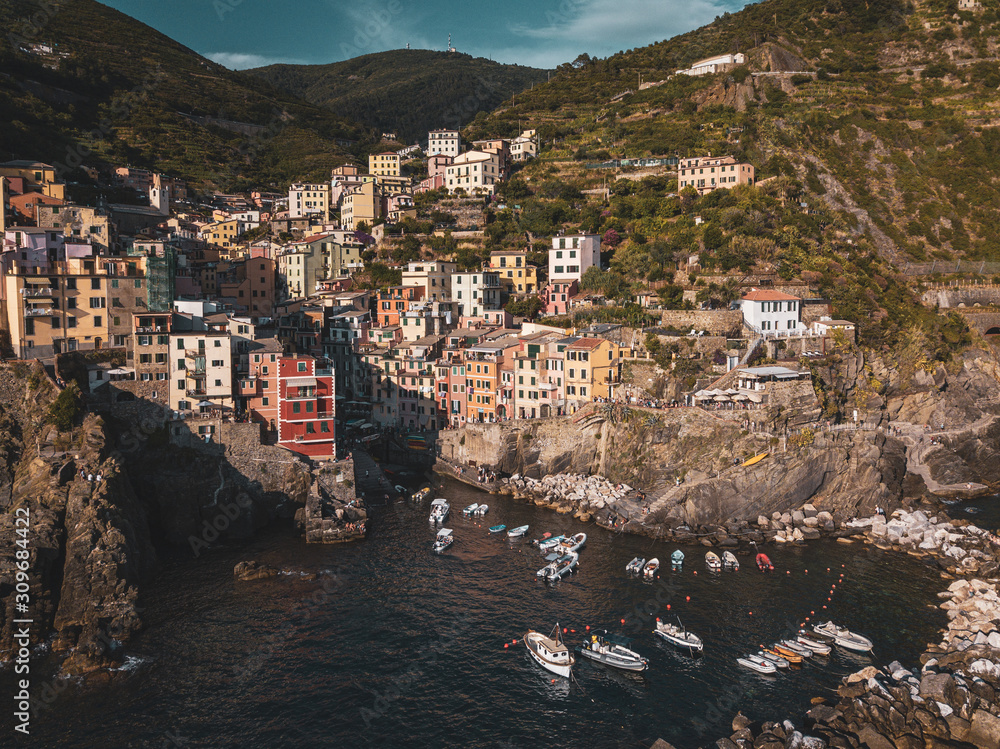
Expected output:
{"points": [[115, 91], [409, 91]]}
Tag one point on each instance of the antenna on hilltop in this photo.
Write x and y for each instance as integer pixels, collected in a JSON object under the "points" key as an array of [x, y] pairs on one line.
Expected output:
{"points": [[450, 48]]}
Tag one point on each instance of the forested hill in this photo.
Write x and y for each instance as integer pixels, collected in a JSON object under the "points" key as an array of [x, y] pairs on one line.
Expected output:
{"points": [[83, 82], [884, 110], [408, 91]]}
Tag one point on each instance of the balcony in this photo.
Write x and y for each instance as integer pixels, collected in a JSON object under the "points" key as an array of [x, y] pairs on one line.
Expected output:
{"points": [[36, 291], [37, 311], [196, 392], [152, 329], [194, 353]]}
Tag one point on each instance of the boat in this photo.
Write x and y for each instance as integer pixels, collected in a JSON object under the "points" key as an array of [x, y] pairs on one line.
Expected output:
{"points": [[755, 459], [770, 655], [558, 565], [482, 510], [797, 648], [549, 652], [650, 568], [612, 650], [730, 562], [517, 532], [498, 528], [677, 635], [677, 559], [787, 653], [713, 561], [844, 637], [814, 644], [758, 664], [635, 566], [544, 537], [549, 543], [439, 510], [421, 494], [763, 563], [470, 510], [400, 489], [443, 540], [573, 543]]}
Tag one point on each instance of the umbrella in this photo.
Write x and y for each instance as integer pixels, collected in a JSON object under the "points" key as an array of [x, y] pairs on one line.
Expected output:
{"points": [[205, 404], [721, 398], [740, 397], [119, 371], [755, 398]]}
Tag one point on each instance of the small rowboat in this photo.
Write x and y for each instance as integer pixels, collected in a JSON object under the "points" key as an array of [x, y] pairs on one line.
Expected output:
{"points": [[713, 561], [796, 648], [844, 637], [677, 559], [635, 566], [572, 543], [788, 654], [549, 543], [545, 537], [758, 664], [421, 494], [498, 528], [730, 562], [776, 659], [517, 532], [649, 570], [755, 459], [482, 510], [763, 563], [470, 510], [813, 643]]}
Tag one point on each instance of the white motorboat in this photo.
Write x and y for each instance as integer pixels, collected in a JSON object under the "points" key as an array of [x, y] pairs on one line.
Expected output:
{"points": [[776, 659], [677, 560], [439, 510], [677, 635], [818, 648], [559, 565], [635, 566], [517, 532], [758, 664], [443, 540], [612, 650], [797, 648], [844, 637], [549, 652], [650, 568], [482, 510], [547, 544], [730, 562], [470, 510], [572, 543], [713, 561]]}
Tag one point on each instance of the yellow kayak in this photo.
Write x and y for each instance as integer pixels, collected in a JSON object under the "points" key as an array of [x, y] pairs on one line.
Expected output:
{"points": [[755, 459]]}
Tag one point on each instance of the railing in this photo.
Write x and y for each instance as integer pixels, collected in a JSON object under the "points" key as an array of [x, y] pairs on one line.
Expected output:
{"points": [[38, 311], [151, 329], [196, 392], [36, 292], [193, 353]]}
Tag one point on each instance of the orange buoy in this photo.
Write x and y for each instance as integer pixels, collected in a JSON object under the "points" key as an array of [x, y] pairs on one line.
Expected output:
{"points": [[588, 627], [807, 572], [515, 642], [553, 681], [689, 598], [813, 613], [807, 618], [788, 572], [696, 572], [824, 607], [573, 631], [668, 609], [750, 613], [565, 630], [623, 621], [506, 645]]}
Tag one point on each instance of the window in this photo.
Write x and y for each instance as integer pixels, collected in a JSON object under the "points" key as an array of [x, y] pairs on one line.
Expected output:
{"points": [[98, 321], [95, 284], [161, 376], [180, 384], [296, 408], [70, 283], [218, 383], [71, 322], [302, 366], [71, 303], [138, 283], [114, 283], [324, 426], [310, 429], [265, 401]]}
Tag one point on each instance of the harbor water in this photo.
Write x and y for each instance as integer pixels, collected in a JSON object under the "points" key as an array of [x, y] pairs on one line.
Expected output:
{"points": [[394, 646]]}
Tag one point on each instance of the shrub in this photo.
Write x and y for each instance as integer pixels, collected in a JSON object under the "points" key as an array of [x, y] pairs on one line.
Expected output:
{"points": [[65, 409]]}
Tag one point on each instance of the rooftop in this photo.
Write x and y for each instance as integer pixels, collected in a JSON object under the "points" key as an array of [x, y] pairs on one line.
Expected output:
{"points": [[781, 373], [768, 295]]}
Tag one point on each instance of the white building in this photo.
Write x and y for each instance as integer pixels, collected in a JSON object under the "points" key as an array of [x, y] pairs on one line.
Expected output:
{"points": [[572, 254], [201, 369], [772, 313], [476, 292], [473, 171], [524, 146], [714, 64], [447, 142], [433, 276], [309, 200]]}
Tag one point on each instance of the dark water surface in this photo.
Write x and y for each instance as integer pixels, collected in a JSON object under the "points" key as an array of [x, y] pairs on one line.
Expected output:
{"points": [[400, 647]]}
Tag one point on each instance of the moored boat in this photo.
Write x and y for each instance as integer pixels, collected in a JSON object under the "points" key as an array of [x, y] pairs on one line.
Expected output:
{"points": [[572, 543], [544, 537], [549, 543], [770, 655], [498, 528], [787, 653], [559, 565], [677, 559], [677, 635], [758, 664], [844, 637], [797, 648], [482, 510], [763, 563], [813, 643], [550, 652], [470, 510], [612, 650], [443, 540], [635, 566], [439, 510], [650, 568], [730, 562], [713, 561], [421, 494], [517, 532]]}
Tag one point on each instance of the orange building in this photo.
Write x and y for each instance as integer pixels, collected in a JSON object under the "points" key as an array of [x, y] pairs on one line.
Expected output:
{"points": [[394, 301]]}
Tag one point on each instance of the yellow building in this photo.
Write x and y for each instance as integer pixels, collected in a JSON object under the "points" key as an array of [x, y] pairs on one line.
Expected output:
{"points": [[363, 203], [58, 307], [384, 164], [393, 185], [592, 367], [38, 177], [515, 273], [222, 233]]}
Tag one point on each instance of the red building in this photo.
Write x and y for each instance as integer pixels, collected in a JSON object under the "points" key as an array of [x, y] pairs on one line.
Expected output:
{"points": [[394, 301]]}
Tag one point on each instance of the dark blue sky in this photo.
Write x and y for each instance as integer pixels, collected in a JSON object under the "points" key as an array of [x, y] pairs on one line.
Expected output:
{"points": [[542, 33]]}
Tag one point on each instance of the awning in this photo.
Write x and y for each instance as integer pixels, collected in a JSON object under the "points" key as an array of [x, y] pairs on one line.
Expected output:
{"points": [[120, 371], [205, 404], [301, 382]]}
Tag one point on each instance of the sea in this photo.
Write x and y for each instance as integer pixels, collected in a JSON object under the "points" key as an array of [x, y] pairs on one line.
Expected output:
{"points": [[383, 643]]}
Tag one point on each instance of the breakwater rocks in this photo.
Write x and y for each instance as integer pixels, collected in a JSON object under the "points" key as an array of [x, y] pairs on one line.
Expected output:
{"points": [[567, 493]]}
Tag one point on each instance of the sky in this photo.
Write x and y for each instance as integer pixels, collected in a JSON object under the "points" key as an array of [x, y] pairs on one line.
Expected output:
{"points": [[540, 33]]}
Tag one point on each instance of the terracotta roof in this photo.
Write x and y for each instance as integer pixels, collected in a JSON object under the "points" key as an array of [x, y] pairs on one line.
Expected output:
{"points": [[768, 295], [587, 343]]}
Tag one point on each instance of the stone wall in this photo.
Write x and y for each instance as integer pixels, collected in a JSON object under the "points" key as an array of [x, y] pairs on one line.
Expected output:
{"points": [[707, 344], [714, 321], [962, 296]]}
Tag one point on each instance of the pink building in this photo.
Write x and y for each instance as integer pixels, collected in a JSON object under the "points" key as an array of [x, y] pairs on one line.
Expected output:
{"points": [[557, 296], [707, 173]]}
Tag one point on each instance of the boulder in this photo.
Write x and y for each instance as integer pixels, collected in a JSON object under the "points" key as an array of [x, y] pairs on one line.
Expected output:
{"points": [[251, 570], [984, 730], [811, 522], [798, 518], [809, 534], [740, 721], [762, 521], [937, 687], [809, 510]]}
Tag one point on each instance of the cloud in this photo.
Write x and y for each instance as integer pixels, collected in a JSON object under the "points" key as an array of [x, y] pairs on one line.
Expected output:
{"points": [[242, 60]]}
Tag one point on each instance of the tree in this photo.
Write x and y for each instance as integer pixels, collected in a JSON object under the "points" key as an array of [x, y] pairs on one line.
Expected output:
{"points": [[611, 238], [66, 408], [528, 307]]}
